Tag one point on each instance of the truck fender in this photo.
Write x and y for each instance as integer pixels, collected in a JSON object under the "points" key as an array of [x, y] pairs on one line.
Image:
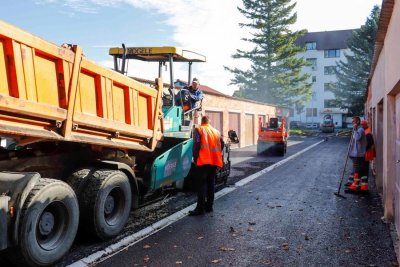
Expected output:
{"points": [[17, 186], [115, 165]]}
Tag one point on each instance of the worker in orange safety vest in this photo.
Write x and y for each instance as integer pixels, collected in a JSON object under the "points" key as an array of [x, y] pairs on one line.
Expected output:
{"points": [[207, 155], [369, 155]]}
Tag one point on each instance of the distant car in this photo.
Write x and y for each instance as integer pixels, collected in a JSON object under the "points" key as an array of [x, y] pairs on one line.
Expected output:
{"points": [[312, 125], [327, 126], [295, 124]]}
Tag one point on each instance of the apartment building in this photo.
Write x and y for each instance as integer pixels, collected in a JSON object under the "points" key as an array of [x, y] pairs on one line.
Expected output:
{"points": [[323, 51]]}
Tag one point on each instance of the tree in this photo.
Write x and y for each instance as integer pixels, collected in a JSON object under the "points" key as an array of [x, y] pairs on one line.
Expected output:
{"points": [[352, 74], [275, 72]]}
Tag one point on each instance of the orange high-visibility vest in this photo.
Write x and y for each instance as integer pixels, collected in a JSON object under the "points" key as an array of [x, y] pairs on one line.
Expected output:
{"points": [[370, 153], [210, 146]]}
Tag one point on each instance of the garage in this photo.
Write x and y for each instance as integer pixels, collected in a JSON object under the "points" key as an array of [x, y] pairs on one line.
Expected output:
{"points": [[261, 118], [234, 124], [215, 120], [249, 133]]}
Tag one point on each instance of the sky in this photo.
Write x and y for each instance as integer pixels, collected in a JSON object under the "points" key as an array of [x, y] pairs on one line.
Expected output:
{"points": [[208, 27]]}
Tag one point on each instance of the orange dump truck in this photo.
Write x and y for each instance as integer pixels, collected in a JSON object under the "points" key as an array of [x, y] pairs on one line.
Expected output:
{"points": [[84, 142], [273, 136]]}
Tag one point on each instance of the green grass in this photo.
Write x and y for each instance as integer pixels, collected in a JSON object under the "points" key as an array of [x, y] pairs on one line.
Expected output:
{"points": [[306, 132]]}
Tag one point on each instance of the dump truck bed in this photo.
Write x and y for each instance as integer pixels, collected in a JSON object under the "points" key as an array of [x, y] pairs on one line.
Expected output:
{"points": [[49, 92]]}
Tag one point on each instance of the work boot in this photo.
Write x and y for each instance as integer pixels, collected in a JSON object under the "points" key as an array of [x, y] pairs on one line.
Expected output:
{"points": [[364, 183], [350, 180], [196, 212], [355, 186], [208, 207]]}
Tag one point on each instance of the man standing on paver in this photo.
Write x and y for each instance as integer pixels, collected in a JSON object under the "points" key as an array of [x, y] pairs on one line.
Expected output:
{"points": [[207, 155], [357, 152]]}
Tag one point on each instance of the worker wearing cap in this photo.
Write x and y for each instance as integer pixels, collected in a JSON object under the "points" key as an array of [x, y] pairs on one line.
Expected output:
{"points": [[196, 94], [357, 152], [207, 155], [369, 155]]}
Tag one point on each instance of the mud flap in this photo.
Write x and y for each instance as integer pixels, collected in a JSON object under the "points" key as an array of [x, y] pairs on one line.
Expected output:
{"points": [[3, 221]]}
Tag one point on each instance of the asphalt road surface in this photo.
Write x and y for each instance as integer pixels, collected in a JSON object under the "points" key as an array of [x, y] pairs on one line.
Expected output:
{"points": [[286, 217]]}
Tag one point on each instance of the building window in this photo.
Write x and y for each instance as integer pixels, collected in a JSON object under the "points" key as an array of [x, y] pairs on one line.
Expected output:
{"points": [[311, 45], [311, 112], [329, 86], [332, 53], [312, 62], [314, 79], [329, 70], [330, 103]]}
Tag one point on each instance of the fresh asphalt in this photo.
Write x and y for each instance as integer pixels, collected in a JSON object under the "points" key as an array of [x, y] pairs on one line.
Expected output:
{"points": [[286, 217], [245, 163]]}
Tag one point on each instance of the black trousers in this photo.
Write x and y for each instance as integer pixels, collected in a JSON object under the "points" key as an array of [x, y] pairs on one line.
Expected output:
{"points": [[365, 171], [205, 186], [358, 165]]}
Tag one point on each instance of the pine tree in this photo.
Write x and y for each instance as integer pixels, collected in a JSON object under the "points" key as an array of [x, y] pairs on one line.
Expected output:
{"points": [[352, 74], [275, 72]]}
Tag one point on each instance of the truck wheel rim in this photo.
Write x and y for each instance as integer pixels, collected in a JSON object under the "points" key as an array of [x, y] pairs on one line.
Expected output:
{"points": [[114, 206], [51, 226], [46, 223]]}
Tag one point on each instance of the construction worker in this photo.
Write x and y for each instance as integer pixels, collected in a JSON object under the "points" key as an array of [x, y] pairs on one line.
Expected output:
{"points": [[369, 155], [192, 97], [357, 152], [196, 95], [207, 155]]}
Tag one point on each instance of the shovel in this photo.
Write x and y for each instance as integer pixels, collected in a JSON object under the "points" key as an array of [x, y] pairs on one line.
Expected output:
{"points": [[344, 168]]}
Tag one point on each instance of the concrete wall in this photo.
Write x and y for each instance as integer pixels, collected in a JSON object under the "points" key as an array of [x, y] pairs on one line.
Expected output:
{"points": [[385, 91], [226, 104]]}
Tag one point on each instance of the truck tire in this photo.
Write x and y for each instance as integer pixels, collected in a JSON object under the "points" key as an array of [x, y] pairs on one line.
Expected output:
{"points": [[106, 202], [49, 222], [78, 179]]}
